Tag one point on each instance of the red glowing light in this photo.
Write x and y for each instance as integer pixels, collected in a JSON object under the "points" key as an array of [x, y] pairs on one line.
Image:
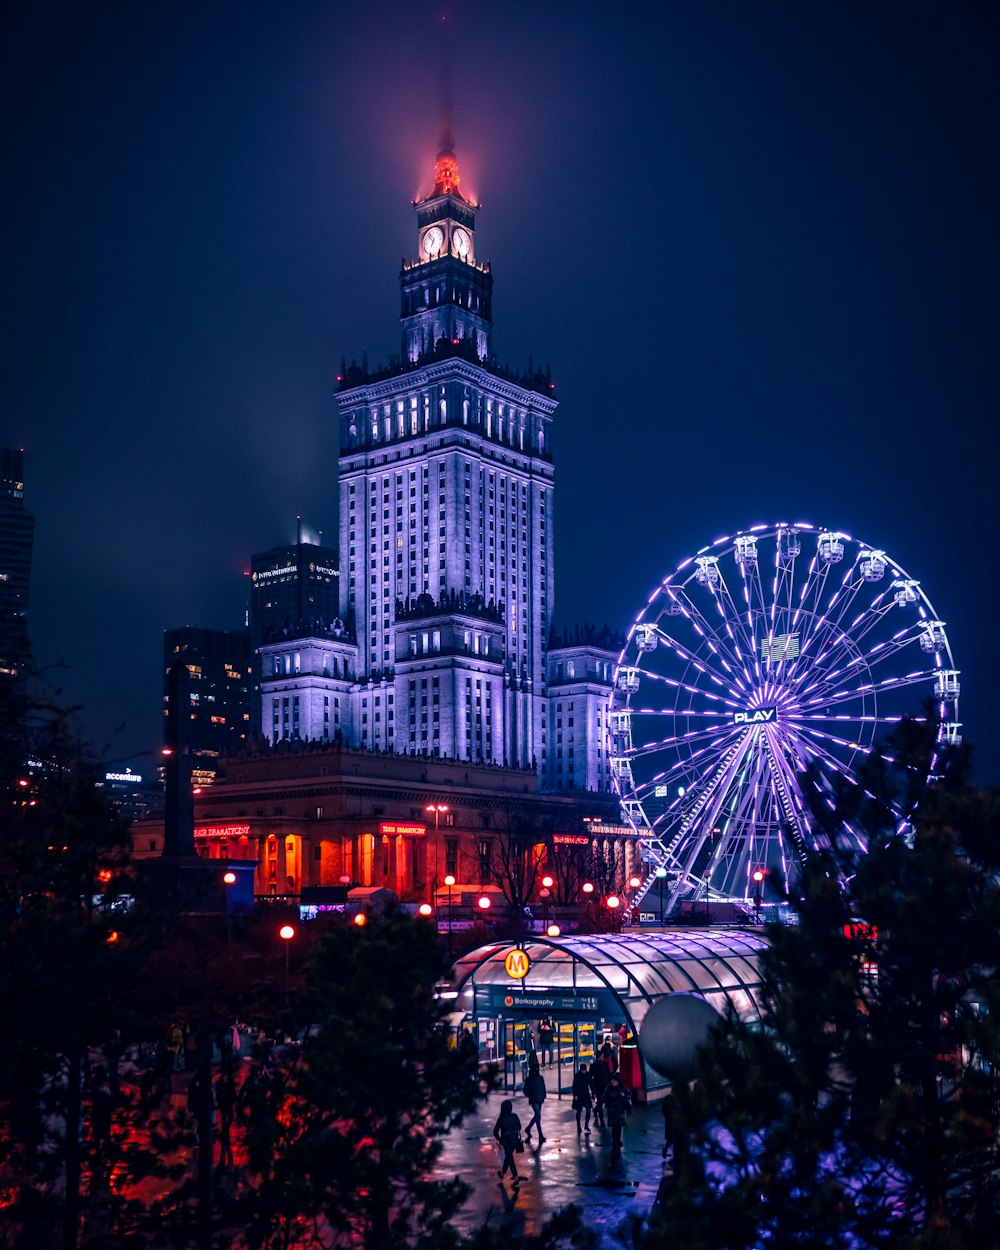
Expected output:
{"points": [[360, 919], [23, 783], [286, 932], [484, 902], [634, 883], [613, 901], [104, 875], [548, 882], [758, 874], [446, 177], [229, 877], [587, 888], [112, 937], [425, 909], [553, 931], [167, 751]]}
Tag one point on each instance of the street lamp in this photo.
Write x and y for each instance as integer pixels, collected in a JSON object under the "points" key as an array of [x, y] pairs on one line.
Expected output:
{"points": [[613, 901], [286, 933], [360, 919], [449, 882], [660, 874], [587, 888], [484, 902], [229, 879], [553, 931], [425, 909], [758, 879], [437, 809]]}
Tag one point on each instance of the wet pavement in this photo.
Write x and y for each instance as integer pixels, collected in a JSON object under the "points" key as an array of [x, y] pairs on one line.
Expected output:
{"points": [[614, 1193]]}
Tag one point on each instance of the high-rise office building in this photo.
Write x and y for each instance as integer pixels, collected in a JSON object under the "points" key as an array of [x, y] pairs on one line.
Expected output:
{"points": [[446, 544], [17, 531], [220, 717], [293, 588]]}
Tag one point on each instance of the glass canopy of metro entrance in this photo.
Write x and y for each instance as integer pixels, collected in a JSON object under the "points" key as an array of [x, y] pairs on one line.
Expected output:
{"points": [[592, 985]]}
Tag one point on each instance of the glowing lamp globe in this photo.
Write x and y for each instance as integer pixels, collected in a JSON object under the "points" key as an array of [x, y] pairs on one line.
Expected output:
{"points": [[229, 878], [484, 902], [449, 880], [425, 909], [613, 901], [553, 931], [360, 919], [587, 888], [286, 932], [672, 1031], [548, 882]]}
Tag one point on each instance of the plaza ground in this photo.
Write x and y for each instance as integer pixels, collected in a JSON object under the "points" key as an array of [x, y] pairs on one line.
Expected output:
{"points": [[566, 1168]]}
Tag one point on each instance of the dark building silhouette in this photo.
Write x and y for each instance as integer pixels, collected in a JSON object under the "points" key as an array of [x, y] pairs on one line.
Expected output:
{"points": [[293, 588], [17, 531], [218, 692]]}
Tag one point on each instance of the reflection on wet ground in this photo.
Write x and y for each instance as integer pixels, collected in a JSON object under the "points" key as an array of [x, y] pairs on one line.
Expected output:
{"points": [[567, 1167]]}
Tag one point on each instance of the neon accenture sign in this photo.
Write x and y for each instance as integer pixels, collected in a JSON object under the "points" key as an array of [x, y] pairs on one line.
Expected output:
{"points": [[756, 716]]}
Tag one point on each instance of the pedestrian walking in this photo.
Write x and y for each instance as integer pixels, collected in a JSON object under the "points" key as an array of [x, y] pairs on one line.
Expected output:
{"points": [[583, 1098], [507, 1131], [546, 1036], [534, 1091], [600, 1079], [618, 1108]]}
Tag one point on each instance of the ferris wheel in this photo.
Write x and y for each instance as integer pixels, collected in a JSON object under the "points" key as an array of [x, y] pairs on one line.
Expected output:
{"points": [[774, 649]]}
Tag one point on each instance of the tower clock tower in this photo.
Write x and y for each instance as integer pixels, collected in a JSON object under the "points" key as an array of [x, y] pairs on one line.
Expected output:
{"points": [[447, 294], [446, 515]]}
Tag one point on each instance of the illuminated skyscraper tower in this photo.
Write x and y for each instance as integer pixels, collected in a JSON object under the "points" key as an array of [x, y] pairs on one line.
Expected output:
{"points": [[446, 514], [17, 531]]}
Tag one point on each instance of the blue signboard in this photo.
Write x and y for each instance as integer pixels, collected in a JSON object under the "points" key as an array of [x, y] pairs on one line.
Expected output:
{"points": [[509, 1000]]}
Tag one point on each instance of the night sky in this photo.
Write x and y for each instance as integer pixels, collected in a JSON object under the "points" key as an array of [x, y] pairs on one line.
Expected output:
{"points": [[756, 243]]}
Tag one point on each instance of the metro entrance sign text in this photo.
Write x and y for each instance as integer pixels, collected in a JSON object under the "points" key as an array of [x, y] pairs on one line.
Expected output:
{"points": [[755, 716]]}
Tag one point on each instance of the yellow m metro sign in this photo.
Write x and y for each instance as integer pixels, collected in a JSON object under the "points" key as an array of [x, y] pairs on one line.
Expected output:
{"points": [[516, 964]]}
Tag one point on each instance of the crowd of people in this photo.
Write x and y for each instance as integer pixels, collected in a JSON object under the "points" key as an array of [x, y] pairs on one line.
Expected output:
{"points": [[598, 1090]]}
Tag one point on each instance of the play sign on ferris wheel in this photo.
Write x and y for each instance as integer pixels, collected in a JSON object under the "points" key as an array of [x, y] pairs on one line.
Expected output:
{"points": [[772, 650]]}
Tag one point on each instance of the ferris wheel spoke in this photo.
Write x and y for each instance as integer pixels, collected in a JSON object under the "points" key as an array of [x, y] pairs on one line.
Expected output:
{"points": [[867, 689], [709, 734], [845, 643], [682, 768], [722, 679], [829, 675], [736, 620], [715, 641], [696, 692]]}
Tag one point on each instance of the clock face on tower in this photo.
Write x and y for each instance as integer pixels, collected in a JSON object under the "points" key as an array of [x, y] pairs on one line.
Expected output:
{"points": [[433, 241], [461, 242]]}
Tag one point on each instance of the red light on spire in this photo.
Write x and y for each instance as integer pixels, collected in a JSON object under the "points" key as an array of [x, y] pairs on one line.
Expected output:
{"points": [[446, 177]]}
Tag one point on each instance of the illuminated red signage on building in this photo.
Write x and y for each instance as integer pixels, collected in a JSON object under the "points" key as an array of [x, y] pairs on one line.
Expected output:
{"points": [[393, 829], [571, 839], [223, 831]]}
